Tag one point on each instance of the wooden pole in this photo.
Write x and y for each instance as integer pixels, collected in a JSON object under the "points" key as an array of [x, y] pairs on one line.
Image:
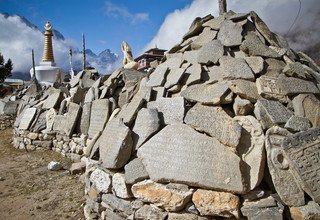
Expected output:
{"points": [[222, 6], [84, 51], [33, 66]]}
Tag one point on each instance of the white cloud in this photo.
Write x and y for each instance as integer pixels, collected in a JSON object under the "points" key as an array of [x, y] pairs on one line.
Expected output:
{"points": [[120, 11], [278, 15]]}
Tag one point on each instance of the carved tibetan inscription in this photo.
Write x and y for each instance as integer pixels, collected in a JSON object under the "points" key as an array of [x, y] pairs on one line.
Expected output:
{"points": [[303, 151]]}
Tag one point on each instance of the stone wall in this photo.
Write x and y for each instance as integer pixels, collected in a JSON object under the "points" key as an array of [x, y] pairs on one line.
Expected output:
{"points": [[6, 121]]}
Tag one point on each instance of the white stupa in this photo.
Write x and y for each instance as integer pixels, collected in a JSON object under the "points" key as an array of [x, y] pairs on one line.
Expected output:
{"points": [[47, 73]]}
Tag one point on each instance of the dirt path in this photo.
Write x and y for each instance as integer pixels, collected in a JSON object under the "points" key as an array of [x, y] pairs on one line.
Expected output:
{"points": [[28, 190]]}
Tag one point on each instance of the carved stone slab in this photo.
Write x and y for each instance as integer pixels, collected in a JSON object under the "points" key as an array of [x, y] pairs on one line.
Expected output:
{"points": [[268, 88], [303, 152], [27, 118], [99, 116], [282, 178]]}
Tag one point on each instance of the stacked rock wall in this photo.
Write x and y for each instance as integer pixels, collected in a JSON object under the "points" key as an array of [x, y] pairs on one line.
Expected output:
{"points": [[226, 126]]}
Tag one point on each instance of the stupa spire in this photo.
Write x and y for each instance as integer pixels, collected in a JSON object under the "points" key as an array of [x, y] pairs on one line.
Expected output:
{"points": [[48, 51]]}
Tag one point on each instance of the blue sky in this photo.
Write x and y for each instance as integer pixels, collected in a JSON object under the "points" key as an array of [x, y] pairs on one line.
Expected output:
{"points": [[105, 23]]}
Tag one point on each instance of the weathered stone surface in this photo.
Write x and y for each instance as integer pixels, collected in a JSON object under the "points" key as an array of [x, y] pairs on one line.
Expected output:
{"points": [[271, 113], [297, 70], [215, 23], [10, 108], [207, 93], [230, 34], [71, 118], [242, 106], [307, 212], [54, 166], [193, 73], [43, 144], [302, 151], [307, 105], [77, 168], [119, 186], [251, 150], [85, 118], [171, 110], [185, 216], [99, 115], [101, 180], [195, 28], [146, 124], [89, 96], [76, 79], [174, 77], [282, 178], [128, 113], [268, 88], [53, 101], [215, 74], [235, 68], [256, 63], [59, 123], [215, 122], [203, 38], [150, 212], [176, 154], [245, 89], [253, 46], [292, 86], [135, 171], [211, 52], [115, 144], [40, 123], [171, 197], [173, 62], [214, 203], [191, 56], [116, 204], [77, 94], [297, 123], [274, 67], [27, 118]]}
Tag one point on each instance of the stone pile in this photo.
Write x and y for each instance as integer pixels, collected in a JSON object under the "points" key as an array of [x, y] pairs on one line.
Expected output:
{"points": [[226, 126]]}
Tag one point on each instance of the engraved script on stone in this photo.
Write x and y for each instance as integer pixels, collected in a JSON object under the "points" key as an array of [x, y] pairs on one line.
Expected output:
{"points": [[268, 88], [99, 116], [303, 152], [282, 178]]}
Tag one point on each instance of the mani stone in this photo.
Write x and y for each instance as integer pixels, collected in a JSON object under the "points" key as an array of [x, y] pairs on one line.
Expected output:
{"points": [[296, 70], [245, 89], [215, 122], [211, 94], [89, 96], [53, 100], [191, 56], [271, 113], [212, 203], [292, 86], [27, 118], [180, 154], [211, 52], [101, 180], [302, 150], [119, 186], [311, 211], [171, 197], [307, 105], [215, 23], [255, 63], [193, 73], [72, 118], [283, 180], [230, 34], [206, 36], [174, 77], [274, 67], [150, 212], [50, 118], [135, 171], [99, 115], [85, 118], [297, 123], [171, 110], [251, 150], [41, 123], [242, 106], [268, 88], [147, 123], [235, 68], [115, 144], [253, 46]]}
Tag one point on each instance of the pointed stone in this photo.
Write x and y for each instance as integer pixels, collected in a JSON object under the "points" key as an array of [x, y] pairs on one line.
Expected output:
{"points": [[245, 89], [256, 64], [173, 77], [157, 78], [135, 171], [230, 34], [53, 101], [211, 52], [27, 118], [242, 106], [235, 68], [292, 86], [206, 36], [99, 115], [297, 123]]}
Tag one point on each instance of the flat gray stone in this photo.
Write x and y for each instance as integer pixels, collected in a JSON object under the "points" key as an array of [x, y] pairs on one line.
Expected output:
{"points": [[72, 118], [230, 34], [78, 94], [211, 52], [269, 88], [256, 64], [242, 106], [206, 36], [59, 123], [115, 144], [215, 23], [173, 77], [89, 96], [180, 154], [85, 118], [75, 81], [53, 101], [116, 204], [27, 118], [173, 62], [99, 115], [191, 56], [193, 73], [215, 122], [147, 123], [157, 78], [212, 94], [135, 171], [10, 107], [307, 105], [302, 151], [101, 180], [119, 186], [297, 123], [195, 28], [274, 67], [253, 46], [292, 86], [282, 178], [270, 113], [150, 212], [185, 216], [235, 68], [214, 75], [50, 118], [171, 110], [251, 150], [40, 123], [157, 92], [245, 89], [296, 70]]}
